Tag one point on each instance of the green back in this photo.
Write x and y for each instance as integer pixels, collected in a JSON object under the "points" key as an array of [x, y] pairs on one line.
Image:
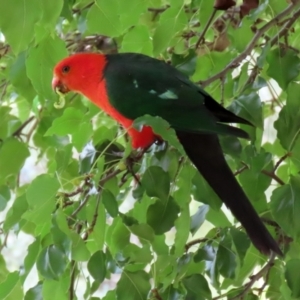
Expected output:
{"points": [[139, 85]]}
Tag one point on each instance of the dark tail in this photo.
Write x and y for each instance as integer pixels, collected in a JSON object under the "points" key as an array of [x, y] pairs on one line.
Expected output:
{"points": [[205, 152]]}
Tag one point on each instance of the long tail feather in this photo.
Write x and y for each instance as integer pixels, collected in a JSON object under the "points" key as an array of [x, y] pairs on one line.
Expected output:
{"points": [[205, 152]]}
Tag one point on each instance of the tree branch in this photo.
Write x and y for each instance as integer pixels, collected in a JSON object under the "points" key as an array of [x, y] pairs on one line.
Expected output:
{"points": [[19, 130], [234, 63], [206, 28], [256, 277], [284, 30]]}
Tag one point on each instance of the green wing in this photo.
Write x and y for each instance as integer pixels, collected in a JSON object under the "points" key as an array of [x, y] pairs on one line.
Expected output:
{"points": [[138, 85]]}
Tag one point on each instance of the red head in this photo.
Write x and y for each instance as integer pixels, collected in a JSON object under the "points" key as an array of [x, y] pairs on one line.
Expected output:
{"points": [[78, 72]]}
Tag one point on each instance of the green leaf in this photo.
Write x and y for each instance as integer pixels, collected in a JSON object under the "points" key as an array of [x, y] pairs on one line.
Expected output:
{"points": [[156, 183], [241, 242], [15, 213], [82, 136], [40, 62], [104, 18], [30, 259], [34, 293], [285, 206], [197, 287], [42, 189], [19, 79], [288, 122], [248, 106], [12, 157], [202, 192], [17, 22], [51, 262], [198, 218], [226, 258], [7, 286], [161, 216], [51, 11], [97, 266], [4, 196], [68, 123], [133, 285], [56, 289], [41, 199], [110, 203], [284, 66], [182, 225], [138, 40], [117, 236], [172, 21], [161, 128], [292, 276], [143, 231]]}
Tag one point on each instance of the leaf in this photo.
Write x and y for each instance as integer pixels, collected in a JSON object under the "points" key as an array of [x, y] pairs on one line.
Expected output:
{"points": [[51, 262], [197, 287], [202, 192], [292, 276], [156, 183], [97, 266], [4, 196], [19, 79], [226, 258], [40, 62], [288, 122], [30, 259], [56, 289], [161, 216], [182, 230], [104, 18], [41, 199], [248, 106], [68, 123], [284, 66], [42, 189], [161, 128], [118, 236], [143, 231], [133, 285], [12, 157], [51, 11], [7, 286], [241, 242], [198, 218], [138, 40], [17, 22], [34, 293], [82, 135], [110, 203], [15, 213], [171, 22], [285, 206]]}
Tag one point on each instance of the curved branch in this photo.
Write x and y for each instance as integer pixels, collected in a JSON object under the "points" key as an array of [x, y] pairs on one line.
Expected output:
{"points": [[234, 63]]}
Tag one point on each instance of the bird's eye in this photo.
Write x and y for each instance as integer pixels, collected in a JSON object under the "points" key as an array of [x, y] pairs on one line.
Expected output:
{"points": [[65, 69]]}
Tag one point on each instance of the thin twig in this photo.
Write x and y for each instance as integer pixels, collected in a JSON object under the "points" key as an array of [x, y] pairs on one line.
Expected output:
{"points": [[19, 130], [284, 30], [195, 242], [284, 157], [273, 176], [72, 280], [234, 63], [205, 28], [256, 277]]}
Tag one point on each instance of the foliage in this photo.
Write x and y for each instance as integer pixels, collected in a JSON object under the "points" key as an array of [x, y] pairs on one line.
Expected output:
{"points": [[156, 229]]}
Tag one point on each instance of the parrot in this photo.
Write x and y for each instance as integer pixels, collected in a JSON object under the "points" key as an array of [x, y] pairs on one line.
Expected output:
{"points": [[130, 85]]}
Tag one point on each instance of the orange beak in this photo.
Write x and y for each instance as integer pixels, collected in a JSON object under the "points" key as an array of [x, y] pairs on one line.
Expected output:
{"points": [[57, 85]]}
